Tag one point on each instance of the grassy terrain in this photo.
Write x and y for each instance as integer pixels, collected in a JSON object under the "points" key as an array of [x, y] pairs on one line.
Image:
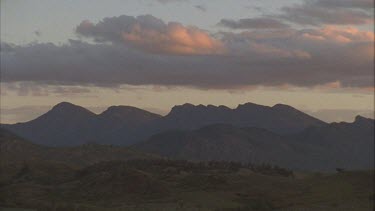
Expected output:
{"points": [[179, 185]]}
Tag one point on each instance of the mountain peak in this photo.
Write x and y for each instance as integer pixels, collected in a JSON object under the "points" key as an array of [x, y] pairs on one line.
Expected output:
{"points": [[250, 107], [184, 107], [187, 107], [66, 111], [283, 107], [66, 107], [127, 114], [120, 108], [124, 111], [360, 119]]}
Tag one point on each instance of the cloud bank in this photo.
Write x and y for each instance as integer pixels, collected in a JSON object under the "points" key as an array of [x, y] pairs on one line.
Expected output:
{"points": [[338, 12], [145, 50]]}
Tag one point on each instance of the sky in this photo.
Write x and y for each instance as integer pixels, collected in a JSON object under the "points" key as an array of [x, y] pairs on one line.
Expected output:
{"points": [[315, 55]]}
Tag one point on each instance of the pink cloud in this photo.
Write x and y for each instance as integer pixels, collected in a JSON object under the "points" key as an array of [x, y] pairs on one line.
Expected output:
{"points": [[339, 34], [152, 35], [176, 39]]}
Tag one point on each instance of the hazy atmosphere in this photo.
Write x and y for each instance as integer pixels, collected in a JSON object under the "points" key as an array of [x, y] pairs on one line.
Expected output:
{"points": [[187, 105], [315, 55]]}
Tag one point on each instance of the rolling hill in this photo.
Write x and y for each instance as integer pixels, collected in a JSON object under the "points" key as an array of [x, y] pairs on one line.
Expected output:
{"points": [[336, 145], [18, 150], [97, 177], [175, 185]]}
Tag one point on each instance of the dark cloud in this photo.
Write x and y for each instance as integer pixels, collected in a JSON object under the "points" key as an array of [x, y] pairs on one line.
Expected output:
{"points": [[253, 23], [306, 57], [171, 1], [37, 33], [201, 8], [354, 4], [30, 88], [337, 12]]}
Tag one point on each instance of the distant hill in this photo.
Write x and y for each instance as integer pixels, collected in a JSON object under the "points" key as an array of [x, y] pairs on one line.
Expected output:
{"points": [[18, 150], [159, 185], [344, 145], [97, 177], [65, 123], [219, 142], [71, 125], [280, 118], [348, 145], [68, 125]]}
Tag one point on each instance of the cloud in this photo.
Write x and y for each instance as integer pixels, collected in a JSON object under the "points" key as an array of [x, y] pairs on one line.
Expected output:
{"points": [[201, 8], [354, 4], [152, 35], [253, 23], [171, 1], [37, 33], [337, 12], [313, 42], [29, 88], [307, 57], [256, 9], [338, 35]]}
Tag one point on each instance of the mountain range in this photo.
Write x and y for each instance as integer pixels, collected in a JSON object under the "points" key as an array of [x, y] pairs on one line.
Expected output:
{"points": [[68, 125], [280, 135], [107, 177]]}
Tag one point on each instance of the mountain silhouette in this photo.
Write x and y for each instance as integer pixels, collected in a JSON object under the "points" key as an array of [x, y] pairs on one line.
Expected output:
{"points": [[345, 145], [318, 146], [69, 125], [280, 118], [350, 145], [64, 123]]}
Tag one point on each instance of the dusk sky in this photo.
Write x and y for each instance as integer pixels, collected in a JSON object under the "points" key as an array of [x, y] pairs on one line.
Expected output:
{"points": [[315, 55]]}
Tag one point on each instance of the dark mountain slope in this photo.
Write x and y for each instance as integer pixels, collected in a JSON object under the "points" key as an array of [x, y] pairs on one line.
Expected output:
{"points": [[126, 115], [349, 145], [14, 148], [62, 124], [17, 150], [117, 125], [70, 125], [336, 145], [280, 118], [221, 142]]}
